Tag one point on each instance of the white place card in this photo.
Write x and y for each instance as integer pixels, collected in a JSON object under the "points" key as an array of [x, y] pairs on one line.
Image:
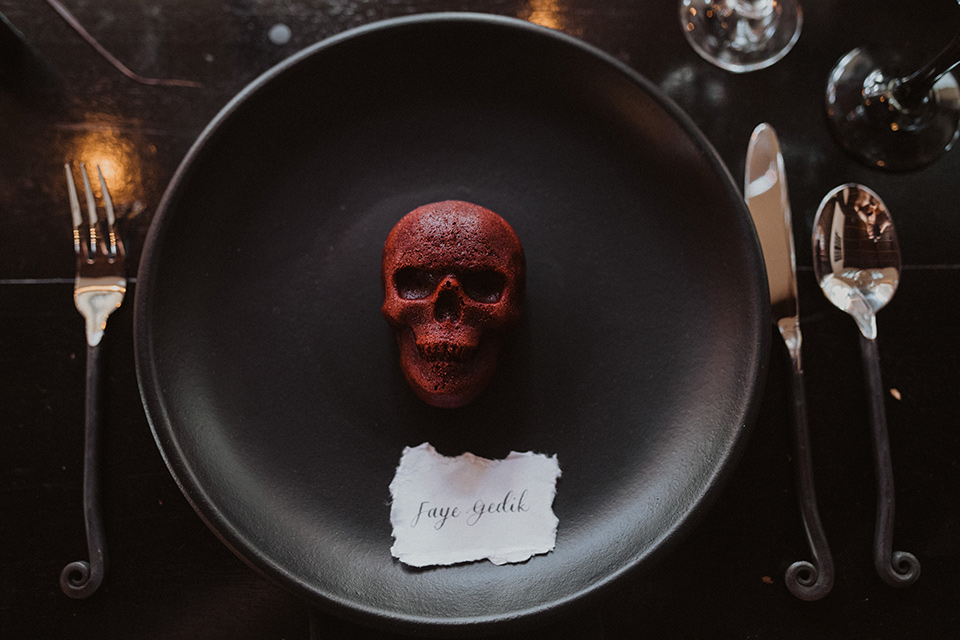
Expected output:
{"points": [[451, 510]]}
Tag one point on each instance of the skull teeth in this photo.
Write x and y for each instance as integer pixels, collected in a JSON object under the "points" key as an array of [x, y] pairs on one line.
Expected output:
{"points": [[445, 351]]}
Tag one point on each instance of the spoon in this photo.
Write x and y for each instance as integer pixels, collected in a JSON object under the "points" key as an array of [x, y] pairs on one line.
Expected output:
{"points": [[856, 259]]}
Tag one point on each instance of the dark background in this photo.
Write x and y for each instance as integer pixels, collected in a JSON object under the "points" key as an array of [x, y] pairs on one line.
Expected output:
{"points": [[170, 577]]}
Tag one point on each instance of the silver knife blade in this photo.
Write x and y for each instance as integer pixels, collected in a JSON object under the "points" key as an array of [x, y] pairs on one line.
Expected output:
{"points": [[765, 190]]}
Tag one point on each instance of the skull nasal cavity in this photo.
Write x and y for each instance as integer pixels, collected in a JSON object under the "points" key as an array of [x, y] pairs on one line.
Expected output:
{"points": [[448, 304]]}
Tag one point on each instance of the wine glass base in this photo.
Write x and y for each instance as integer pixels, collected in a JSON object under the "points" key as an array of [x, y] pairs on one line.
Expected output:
{"points": [[871, 127], [738, 35]]}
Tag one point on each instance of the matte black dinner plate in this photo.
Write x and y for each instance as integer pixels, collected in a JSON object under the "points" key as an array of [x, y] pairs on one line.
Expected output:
{"points": [[272, 382]]}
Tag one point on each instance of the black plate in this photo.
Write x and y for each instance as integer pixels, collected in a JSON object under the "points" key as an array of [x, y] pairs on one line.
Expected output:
{"points": [[272, 382]]}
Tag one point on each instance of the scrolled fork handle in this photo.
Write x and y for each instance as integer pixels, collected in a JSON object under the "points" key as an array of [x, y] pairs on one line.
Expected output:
{"points": [[80, 579], [896, 568], [805, 579]]}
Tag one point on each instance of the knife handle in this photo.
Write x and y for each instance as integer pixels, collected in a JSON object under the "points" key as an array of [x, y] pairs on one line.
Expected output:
{"points": [[896, 568], [807, 580]]}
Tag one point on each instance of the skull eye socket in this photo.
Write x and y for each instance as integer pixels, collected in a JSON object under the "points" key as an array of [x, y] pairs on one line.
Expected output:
{"points": [[483, 286], [413, 283]]}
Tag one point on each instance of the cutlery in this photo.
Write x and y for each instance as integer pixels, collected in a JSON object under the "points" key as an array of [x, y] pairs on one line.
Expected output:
{"points": [[856, 259], [99, 289], [765, 190]]}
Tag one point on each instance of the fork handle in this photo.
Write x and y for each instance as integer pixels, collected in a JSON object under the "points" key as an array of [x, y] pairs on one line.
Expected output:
{"points": [[81, 579]]}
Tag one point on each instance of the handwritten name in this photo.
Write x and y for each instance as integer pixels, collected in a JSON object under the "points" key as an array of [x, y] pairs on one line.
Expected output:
{"points": [[438, 515]]}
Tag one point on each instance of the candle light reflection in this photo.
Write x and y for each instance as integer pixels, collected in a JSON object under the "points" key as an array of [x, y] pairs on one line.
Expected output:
{"points": [[117, 151], [546, 13]]}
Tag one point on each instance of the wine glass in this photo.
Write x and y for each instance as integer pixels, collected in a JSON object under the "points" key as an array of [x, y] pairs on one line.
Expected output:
{"points": [[741, 35], [891, 120]]}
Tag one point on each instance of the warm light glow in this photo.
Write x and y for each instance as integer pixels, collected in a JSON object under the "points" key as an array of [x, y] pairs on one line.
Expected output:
{"points": [[546, 13], [111, 146]]}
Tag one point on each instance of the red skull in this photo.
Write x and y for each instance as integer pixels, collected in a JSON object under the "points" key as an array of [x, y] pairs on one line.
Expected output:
{"points": [[453, 277]]}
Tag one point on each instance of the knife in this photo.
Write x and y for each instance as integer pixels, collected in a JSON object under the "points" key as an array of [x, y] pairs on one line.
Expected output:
{"points": [[765, 190]]}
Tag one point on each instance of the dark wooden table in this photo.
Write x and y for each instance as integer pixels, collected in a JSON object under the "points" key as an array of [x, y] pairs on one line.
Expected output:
{"points": [[170, 577]]}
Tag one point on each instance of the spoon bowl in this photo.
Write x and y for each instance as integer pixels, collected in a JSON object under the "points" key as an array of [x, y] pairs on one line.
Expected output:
{"points": [[856, 256], [856, 259]]}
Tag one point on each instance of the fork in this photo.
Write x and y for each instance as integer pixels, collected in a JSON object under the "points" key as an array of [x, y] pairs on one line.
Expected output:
{"points": [[98, 290]]}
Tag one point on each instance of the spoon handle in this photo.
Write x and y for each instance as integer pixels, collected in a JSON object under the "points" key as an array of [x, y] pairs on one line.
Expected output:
{"points": [[896, 568], [807, 580]]}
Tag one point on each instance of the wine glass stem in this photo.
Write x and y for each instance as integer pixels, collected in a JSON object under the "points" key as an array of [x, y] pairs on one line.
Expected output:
{"points": [[753, 6], [752, 10], [754, 28], [912, 89]]}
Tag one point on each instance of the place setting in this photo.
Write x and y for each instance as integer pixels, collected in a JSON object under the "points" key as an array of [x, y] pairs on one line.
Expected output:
{"points": [[460, 324]]}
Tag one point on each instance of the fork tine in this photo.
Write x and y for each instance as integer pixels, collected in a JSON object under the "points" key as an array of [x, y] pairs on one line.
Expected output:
{"points": [[91, 203], [111, 218], [91, 210], [74, 207], [107, 201]]}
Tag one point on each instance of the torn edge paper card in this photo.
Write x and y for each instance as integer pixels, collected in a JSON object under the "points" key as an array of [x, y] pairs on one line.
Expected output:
{"points": [[450, 510]]}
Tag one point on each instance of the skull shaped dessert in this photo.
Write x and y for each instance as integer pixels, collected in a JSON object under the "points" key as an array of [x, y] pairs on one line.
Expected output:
{"points": [[453, 278]]}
